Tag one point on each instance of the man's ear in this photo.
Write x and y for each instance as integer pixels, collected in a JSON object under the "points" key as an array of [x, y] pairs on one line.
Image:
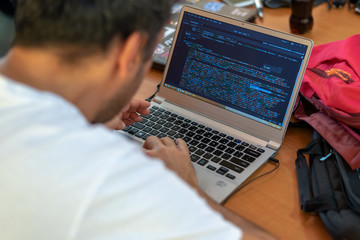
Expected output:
{"points": [[131, 54]]}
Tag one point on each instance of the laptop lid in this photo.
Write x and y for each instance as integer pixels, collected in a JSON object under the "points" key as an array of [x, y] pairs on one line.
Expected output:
{"points": [[234, 72]]}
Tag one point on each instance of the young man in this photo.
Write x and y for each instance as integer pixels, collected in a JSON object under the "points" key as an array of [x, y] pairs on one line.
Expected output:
{"points": [[75, 65]]}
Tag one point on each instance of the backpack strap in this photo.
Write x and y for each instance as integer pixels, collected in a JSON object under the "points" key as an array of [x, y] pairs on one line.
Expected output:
{"points": [[323, 201]]}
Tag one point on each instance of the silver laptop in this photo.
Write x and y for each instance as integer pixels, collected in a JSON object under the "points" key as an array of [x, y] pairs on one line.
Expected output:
{"points": [[228, 90]]}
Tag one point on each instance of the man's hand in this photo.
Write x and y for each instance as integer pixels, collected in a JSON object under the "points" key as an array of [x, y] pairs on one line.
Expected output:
{"points": [[129, 114], [175, 156]]}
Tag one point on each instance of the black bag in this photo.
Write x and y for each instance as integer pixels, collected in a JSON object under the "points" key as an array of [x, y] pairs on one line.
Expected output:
{"points": [[329, 187]]}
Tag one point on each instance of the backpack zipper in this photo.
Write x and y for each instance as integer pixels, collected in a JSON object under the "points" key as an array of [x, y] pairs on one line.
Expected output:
{"points": [[327, 156]]}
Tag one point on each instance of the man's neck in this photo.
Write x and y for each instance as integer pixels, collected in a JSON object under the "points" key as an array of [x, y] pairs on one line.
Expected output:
{"points": [[45, 71]]}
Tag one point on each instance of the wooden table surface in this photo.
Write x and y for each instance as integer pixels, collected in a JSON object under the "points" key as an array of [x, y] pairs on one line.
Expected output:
{"points": [[272, 201]]}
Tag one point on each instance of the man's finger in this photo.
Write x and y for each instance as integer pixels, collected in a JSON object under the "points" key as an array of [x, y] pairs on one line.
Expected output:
{"points": [[168, 142], [182, 146], [152, 142]]}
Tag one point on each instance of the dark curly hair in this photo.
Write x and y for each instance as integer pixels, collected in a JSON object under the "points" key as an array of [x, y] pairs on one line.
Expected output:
{"points": [[88, 25]]}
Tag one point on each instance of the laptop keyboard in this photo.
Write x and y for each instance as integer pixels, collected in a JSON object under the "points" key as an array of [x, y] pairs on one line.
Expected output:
{"points": [[209, 148]]}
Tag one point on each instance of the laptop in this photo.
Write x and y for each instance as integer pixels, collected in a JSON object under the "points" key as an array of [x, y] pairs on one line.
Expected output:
{"points": [[228, 90]]}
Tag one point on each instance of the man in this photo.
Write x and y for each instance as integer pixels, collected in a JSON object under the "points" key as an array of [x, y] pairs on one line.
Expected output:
{"points": [[63, 175]]}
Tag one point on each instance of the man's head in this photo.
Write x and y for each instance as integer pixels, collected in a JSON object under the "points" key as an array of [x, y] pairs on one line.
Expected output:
{"points": [[88, 25], [119, 36]]}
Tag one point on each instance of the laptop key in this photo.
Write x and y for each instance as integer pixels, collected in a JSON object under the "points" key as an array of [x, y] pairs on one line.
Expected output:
{"points": [[252, 147], [133, 131], [231, 166], [212, 168], [154, 119], [239, 162], [194, 158], [157, 126], [164, 129], [260, 150], [168, 125], [245, 144], [221, 147], [171, 133], [161, 135], [248, 158], [209, 149], [238, 154], [232, 144], [213, 144], [154, 132], [216, 159], [226, 156], [202, 146], [190, 134], [178, 122], [186, 139], [206, 140], [252, 152], [218, 152], [202, 162], [192, 149], [175, 128], [150, 124], [239, 147], [192, 128], [216, 138], [182, 131], [198, 137], [230, 150], [140, 134], [200, 152], [178, 135], [193, 143], [224, 141], [208, 135], [222, 170], [200, 131], [207, 156], [171, 119], [163, 116], [232, 177]]}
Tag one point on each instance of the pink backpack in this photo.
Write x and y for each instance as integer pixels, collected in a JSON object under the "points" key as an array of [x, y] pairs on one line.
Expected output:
{"points": [[330, 96]]}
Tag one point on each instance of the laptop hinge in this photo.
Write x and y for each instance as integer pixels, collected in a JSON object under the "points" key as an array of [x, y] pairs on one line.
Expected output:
{"points": [[158, 99], [273, 145]]}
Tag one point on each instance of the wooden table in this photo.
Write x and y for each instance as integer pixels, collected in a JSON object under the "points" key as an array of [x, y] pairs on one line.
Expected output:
{"points": [[272, 201]]}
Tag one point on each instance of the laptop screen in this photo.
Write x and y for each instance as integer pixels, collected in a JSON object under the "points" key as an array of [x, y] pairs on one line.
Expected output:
{"points": [[243, 71]]}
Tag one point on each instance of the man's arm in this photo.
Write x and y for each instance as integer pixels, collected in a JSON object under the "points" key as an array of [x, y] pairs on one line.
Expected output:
{"points": [[176, 157]]}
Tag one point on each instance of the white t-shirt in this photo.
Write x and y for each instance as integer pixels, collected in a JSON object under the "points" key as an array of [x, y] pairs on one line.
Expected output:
{"points": [[62, 178]]}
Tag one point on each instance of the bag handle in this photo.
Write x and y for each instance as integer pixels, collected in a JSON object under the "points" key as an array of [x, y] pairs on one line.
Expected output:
{"points": [[308, 203]]}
